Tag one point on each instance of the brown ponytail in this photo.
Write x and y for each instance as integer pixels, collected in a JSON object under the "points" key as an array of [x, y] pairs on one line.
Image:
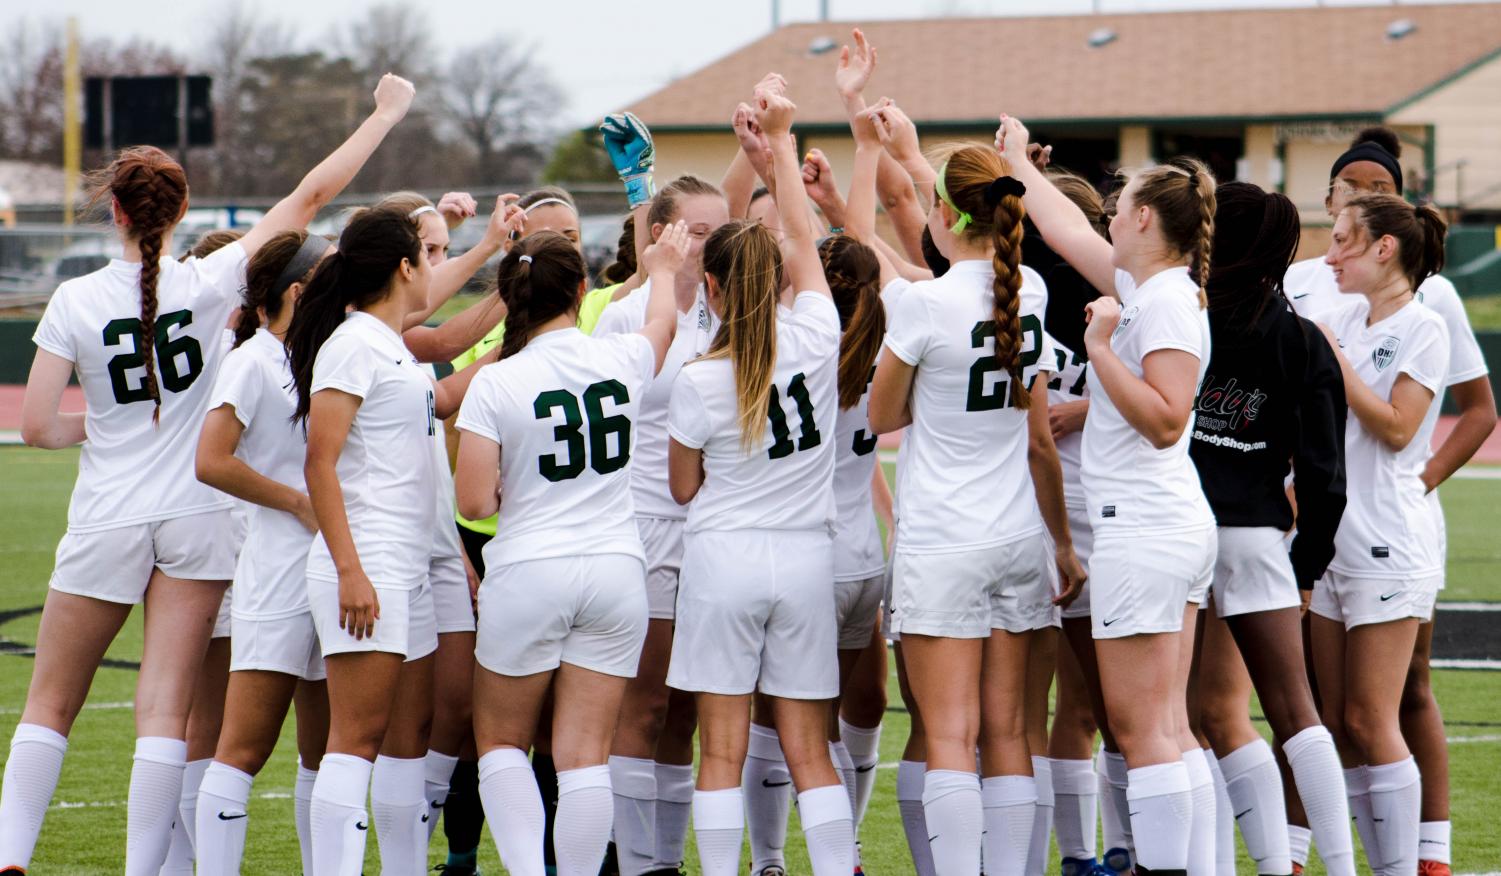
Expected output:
{"points": [[854, 276], [1418, 230], [744, 260], [1181, 195], [538, 280], [152, 191]]}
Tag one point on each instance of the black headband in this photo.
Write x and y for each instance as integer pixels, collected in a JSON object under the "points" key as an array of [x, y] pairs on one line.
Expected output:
{"points": [[1002, 186], [307, 257], [1369, 151]]}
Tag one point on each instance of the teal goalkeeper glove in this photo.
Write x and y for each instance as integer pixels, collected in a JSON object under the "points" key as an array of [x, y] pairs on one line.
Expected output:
{"points": [[629, 145]]}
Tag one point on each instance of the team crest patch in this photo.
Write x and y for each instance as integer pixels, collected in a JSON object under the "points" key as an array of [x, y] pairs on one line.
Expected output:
{"points": [[1385, 352], [1127, 316]]}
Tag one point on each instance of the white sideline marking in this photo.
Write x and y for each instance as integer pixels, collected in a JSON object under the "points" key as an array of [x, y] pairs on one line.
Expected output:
{"points": [[1466, 664], [1469, 606], [112, 804]]}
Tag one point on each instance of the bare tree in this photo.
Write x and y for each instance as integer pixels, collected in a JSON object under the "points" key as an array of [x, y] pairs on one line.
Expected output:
{"points": [[31, 90], [498, 98], [237, 36], [390, 38]]}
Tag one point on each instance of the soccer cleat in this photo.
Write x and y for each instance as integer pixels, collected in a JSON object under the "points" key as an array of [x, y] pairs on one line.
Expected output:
{"points": [[1081, 867], [1116, 861], [772, 870], [1433, 868], [456, 870]]}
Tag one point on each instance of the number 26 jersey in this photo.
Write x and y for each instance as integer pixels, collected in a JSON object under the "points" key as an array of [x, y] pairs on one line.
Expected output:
{"points": [[563, 411]]}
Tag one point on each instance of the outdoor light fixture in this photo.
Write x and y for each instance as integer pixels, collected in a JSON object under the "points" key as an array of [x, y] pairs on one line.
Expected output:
{"points": [[1400, 28], [821, 45], [1102, 37]]}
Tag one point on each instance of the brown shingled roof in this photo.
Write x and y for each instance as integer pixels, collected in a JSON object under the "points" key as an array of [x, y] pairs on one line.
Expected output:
{"points": [[1262, 63]]}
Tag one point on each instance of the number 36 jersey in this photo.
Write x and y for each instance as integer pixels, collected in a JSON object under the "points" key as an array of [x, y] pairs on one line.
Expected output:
{"points": [[964, 483], [133, 470], [563, 411], [785, 482]]}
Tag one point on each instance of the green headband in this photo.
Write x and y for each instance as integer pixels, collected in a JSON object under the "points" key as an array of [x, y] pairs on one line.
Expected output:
{"points": [[943, 195]]}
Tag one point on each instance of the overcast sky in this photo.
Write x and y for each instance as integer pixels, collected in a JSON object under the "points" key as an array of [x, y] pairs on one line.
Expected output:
{"points": [[583, 42]]}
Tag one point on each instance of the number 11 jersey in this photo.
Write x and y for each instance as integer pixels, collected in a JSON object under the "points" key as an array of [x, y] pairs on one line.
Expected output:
{"points": [[563, 411]]}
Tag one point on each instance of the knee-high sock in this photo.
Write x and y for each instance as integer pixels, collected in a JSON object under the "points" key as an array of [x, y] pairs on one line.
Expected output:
{"points": [[634, 781], [463, 814], [179, 861], [844, 765], [180, 853], [1433, 841], [1299, 838], [400, 808], [513, 806], [1201, 833], [223, 807], [1396, 807], [31, 771], [719, 825], [909, 790], [155, 791], [437, 773], [674, 804], [1010, 811], [586, 808], [1042, 824], [1358, 790], [766, 788], [337, 815], [1161, 814], [1075, 792], [1255, 787], [864, 744], [829, 829], [1115, 810], [1224, 821], [302, 813], [952, 805], [1321, 786]]}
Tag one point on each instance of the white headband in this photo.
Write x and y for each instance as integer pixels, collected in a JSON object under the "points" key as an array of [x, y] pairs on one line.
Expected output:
{"points": [[425, 208], [545, 201]]}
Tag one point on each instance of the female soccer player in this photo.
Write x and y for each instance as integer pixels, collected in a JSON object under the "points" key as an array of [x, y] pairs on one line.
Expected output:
{"points": [[756, 605], [251, 450], [1154, 543], [1272, 395], [1388, 560], [969, 584], [143, 336], [547, 441]]}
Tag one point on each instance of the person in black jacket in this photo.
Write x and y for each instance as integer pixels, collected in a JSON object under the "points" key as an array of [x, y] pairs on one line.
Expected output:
{"points": [[1273, 393]]}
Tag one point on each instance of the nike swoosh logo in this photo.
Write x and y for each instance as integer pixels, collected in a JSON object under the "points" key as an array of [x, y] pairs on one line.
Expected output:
{"points": [[223, 816], [865, 769], [360, 825], [1390, 595], [1111, 621], [1240, 815], [437, 805], [933, 837], [1132, 814], [424, 818], [767, 783], [1303, 295]]}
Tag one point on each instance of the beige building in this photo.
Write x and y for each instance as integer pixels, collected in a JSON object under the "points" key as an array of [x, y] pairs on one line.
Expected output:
{"points": [[1269, 96]]}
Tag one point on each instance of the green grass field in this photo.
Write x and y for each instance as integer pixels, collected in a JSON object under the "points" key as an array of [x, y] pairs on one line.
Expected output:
{"points": [[85, 829]]}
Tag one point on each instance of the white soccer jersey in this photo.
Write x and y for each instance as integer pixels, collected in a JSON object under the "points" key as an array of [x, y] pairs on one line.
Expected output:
{"points": [[563, 411], [133, 470], [446, 542], [256, 381], [786, 482], [1387, 530], [1130, 485], [386, 467], [1311, 287], [696, 329], [963, 477], [1069, 384], [857, 540]]}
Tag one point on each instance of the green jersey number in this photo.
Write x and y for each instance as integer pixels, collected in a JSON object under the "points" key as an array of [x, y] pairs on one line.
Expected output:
{"points": [[595, 452], [1002, 393], [808, 435], [865, 442], [179, 360], [1066, 358]]}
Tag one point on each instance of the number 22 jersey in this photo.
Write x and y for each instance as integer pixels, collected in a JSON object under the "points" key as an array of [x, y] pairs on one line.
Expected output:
{"points": [[133, 470]]}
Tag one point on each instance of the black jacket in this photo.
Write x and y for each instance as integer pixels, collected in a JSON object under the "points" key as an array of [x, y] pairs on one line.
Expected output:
{"points": [[1273, 395]]}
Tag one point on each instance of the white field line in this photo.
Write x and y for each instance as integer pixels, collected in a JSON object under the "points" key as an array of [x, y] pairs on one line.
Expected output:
{"points": [[1469, 606], [1491, 665], [113, 804]]}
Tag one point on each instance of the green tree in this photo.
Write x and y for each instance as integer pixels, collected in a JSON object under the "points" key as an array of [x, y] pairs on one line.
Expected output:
{"points": [[579, 158]]}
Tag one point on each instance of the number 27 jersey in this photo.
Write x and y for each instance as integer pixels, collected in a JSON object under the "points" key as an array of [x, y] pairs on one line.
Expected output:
{"points": [[563, 411]]}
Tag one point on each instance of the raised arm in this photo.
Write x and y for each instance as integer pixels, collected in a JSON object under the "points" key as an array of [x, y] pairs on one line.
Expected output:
{"points": [[393, 97], [1062, 224], [662, 261], [860, 209], [449, 277], [823, 191], [804, 269]]}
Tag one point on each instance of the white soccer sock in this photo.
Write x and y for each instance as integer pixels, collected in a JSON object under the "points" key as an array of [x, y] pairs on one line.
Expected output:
{"points": [[1075, 793], [581, 830], [829, 829], [909, 788], [187, 802], [31, 771], [634, 784], [513, 806], [1255, 787], [1321, 786], [1224, 821], [844, 765], [1115, 807], [719, 825], [864, 745], [179, 861], [952, 806], [1202, 827], [674, 805], [766, 787], [1298, 840], [1161, 814], [400, 808], [1433, 841], [1358, 789], [1042, 824], [1010, 811], [437, 770], [155, 791], [337, 820], [302, 813], [223, 806], [1396, 807]]}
